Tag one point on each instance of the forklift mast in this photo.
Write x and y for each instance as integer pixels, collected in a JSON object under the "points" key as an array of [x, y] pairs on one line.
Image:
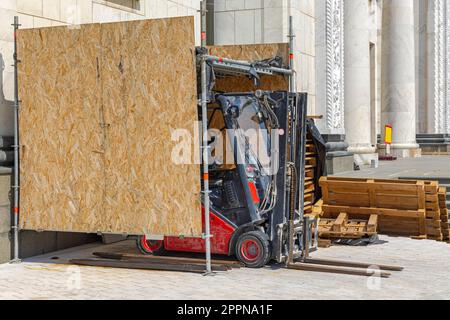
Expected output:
{"points": [[282, 113]]}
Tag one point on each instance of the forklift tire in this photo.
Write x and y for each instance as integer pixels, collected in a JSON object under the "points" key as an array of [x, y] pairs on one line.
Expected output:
{"points": [[150, 247], [253, 249]]}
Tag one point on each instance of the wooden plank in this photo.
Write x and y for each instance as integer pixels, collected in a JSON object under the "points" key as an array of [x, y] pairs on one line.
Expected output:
{"points": [[105, 263], [337, 270], [324, 243], [339, 222], [369, 211], [103, 100], [373, 223], [164, 259], [433, 223], [352, 264]]}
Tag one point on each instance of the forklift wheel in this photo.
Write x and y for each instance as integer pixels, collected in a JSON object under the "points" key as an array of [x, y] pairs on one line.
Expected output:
{"points": [[150, 247], [253, 249]]}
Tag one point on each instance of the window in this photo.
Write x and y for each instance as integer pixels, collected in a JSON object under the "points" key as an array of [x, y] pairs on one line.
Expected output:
{"points": [[132, 4]]}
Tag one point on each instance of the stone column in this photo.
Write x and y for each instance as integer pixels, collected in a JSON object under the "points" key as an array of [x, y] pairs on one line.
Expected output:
{"points": [[398, 107], [358, 81], [437, 103], [330, 66]]}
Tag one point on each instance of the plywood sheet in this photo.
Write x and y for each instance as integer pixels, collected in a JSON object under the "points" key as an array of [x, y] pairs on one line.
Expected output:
{"points": [[61, 140], [252, 53], [149, 89], [96, 129]]}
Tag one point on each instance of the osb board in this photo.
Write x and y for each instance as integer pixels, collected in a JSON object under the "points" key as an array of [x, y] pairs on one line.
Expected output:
{"points": [[252, 53], [62, 160], [149, 89], [124, 88]]}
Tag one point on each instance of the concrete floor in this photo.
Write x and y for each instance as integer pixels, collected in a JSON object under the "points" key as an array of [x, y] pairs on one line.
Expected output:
{"points": [[426, 276]]}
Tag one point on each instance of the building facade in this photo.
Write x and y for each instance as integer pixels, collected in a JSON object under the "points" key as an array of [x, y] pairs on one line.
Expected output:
{"points": [[46, 13]]}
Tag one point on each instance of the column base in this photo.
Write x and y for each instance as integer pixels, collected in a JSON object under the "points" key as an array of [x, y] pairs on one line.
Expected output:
{"points": [[403, 150], [363, 154], [365, 159]]}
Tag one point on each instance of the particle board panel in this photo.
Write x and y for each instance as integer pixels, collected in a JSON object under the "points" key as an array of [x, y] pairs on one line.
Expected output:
{"points": [[100, 104], [61, 141], [252, 53], [149, 90]]}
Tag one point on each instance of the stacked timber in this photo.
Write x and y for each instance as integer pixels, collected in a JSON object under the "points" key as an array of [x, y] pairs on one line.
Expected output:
{"points": [[402, 207], [433, 214], [310, 176], [444, 213], [399, 205]]}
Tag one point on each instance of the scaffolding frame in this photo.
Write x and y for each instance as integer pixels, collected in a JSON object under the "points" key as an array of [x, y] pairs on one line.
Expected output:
{"points": [[230, 67], [16, 184]]}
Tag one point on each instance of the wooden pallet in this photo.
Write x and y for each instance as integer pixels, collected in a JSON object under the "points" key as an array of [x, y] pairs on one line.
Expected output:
{"points": [[344, 228]]}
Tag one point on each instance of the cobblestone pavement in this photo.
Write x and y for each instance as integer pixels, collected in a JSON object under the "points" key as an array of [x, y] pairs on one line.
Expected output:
{"points": [[426, 276]]}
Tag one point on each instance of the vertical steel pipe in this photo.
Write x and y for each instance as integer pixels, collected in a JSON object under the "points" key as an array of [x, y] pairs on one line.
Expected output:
{"points": [[291, 36], [204, 105], [16, 185]]}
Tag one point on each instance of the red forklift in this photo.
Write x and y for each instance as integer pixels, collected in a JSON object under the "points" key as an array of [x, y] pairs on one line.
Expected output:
{"points": [[257, 198]]}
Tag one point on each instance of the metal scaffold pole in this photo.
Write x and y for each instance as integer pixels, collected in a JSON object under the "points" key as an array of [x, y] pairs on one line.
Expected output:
{"points": [[16, 185], [204, 105], [291, 37]]}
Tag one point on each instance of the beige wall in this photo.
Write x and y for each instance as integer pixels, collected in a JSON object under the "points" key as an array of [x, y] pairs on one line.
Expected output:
{"points": [[45, 13]]}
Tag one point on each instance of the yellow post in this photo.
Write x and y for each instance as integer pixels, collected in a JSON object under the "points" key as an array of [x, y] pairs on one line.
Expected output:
{"points": [[388, 138]]}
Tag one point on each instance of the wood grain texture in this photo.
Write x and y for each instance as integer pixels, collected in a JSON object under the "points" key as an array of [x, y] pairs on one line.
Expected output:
{"points": [[61, 141], [99, 107], [149, 89], [252, 53]]}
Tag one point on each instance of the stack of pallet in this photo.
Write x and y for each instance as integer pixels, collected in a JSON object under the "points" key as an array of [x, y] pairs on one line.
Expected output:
{"points": [[393, 207], [310, 178], [442, 194], [433, 214]]}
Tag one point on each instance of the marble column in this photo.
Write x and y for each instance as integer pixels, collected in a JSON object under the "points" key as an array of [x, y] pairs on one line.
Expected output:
{"points": [[437, 103], [358, 81], [398, 106], [330, 66]]}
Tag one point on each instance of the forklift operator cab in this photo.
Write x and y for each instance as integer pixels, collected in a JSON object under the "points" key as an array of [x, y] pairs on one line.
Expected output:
{"points": [[257, 147], [252, 181]]}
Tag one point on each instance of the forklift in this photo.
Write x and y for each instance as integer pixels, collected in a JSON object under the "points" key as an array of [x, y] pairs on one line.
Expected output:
{"points": [[256, 211], [253, 207]]}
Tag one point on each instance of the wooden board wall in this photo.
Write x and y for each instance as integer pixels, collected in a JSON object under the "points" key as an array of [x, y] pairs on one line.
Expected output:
{"points": [[99, 106], [252, 53]]}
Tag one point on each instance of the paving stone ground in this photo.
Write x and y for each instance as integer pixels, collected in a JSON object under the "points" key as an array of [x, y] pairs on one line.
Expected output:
{"points": [[426, 276]]}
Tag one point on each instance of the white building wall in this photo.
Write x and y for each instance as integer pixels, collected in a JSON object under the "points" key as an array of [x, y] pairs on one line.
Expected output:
{"points": [[46, 13]]}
